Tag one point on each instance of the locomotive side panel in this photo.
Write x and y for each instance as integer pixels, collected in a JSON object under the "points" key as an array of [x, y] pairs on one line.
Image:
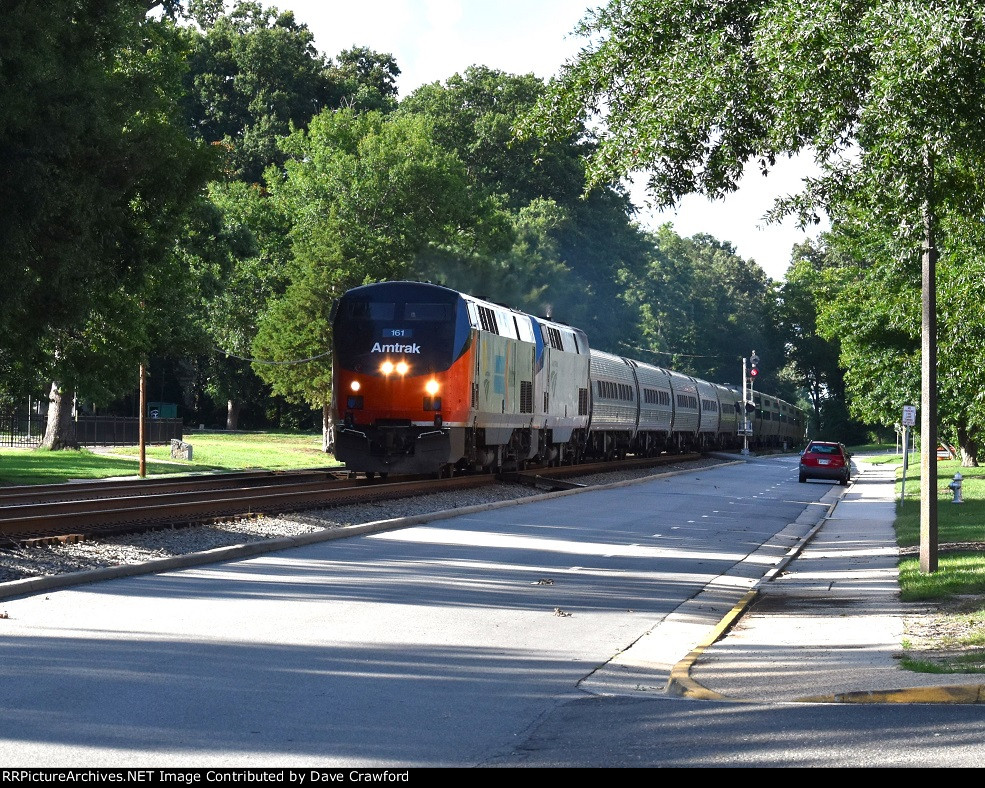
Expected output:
{"points": [[504, 377], [566, 395]]}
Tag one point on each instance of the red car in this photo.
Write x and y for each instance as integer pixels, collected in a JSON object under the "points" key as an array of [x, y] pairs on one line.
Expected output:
{"points": [[826, 460]]}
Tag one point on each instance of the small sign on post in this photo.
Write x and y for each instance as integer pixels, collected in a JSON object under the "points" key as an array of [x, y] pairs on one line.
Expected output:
{"points": [[909, 419]]}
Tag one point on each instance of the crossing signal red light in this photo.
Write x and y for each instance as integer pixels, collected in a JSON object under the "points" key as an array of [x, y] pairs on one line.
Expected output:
{"points": [[753, 372]]}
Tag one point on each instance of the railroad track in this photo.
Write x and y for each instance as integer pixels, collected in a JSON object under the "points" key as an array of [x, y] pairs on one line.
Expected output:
{"points": [[47, 514]]}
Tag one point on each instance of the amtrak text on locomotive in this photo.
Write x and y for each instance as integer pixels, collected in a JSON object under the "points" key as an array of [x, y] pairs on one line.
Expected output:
{"points": [[395, 348]]}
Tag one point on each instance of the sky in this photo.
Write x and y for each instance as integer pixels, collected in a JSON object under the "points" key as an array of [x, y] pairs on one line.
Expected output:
{"points": [[431, 40]]}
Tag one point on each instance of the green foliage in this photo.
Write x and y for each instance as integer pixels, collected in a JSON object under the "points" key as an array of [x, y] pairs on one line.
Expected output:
{"points": [[690, 92], [814, 358], [254, 77], [371, 197], [703, 309], [888, 97], [474, 115], [253, 73], [88, 214], [874, 309], [364, 80]]}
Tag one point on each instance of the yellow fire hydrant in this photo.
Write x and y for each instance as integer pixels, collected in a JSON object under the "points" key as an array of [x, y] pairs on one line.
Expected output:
{"points": [[955, 486]]}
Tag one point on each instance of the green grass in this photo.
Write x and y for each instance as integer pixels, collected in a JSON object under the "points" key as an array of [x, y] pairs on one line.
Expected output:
{"points": [[39, 466], [971, 662], [210, 452], [957, 573]]}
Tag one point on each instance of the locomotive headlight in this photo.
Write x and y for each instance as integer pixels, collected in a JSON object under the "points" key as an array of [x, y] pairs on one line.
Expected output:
{"points": [[402, 367], [431, 387], [386, 367], [355, 385]]}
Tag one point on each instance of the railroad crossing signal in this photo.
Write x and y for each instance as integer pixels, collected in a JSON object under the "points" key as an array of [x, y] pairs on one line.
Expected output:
{"points": [[754, 364]]}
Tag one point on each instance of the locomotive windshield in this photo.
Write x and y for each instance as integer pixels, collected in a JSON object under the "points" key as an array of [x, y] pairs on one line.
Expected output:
{"points": [[419, 324]]}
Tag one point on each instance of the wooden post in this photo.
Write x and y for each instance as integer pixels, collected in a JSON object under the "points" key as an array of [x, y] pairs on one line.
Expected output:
{"points": [[143, 416]]}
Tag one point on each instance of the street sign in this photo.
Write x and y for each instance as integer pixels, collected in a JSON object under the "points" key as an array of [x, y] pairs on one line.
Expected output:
{"points": [[909, 415]]}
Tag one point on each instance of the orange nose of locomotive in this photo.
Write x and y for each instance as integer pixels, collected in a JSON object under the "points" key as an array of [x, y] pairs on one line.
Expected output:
{"points": [[391, 392]]}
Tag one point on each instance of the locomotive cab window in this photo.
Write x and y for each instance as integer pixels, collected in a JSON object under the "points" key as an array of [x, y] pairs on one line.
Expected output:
{"points": [[369, 310], [428, 312]]}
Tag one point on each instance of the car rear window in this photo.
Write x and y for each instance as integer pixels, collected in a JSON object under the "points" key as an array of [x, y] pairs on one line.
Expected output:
{"points": [[818, 448]]}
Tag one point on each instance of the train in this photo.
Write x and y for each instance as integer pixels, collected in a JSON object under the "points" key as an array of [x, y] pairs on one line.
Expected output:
{"points": [[430, 380]]}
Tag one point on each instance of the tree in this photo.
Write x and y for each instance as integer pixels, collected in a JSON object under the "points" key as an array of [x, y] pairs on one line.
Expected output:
{"points": [[873, 310], [475, 113], [253, 74], [814, 356], [91, 89], [370, 196], [254, 77], [235, 248], [702, 309], [364, 80]]}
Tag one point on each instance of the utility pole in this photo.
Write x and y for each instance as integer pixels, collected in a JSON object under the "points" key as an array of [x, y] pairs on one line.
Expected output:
{"points": [[928, 384]]}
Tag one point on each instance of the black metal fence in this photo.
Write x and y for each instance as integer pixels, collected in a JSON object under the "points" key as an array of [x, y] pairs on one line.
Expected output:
{"points": [[28, 430]]}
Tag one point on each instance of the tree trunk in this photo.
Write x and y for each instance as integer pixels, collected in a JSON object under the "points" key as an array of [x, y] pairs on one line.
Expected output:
{"points": [[232, 414], [327, 430], [968, 447], [60, 433]]}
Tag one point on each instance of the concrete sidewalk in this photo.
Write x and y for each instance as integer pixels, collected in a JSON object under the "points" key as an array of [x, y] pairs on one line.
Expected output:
{"points": [[829, 626]]}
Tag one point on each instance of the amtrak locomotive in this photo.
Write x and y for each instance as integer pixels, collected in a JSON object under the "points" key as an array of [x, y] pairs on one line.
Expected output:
{"points": [[430, 380]]}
